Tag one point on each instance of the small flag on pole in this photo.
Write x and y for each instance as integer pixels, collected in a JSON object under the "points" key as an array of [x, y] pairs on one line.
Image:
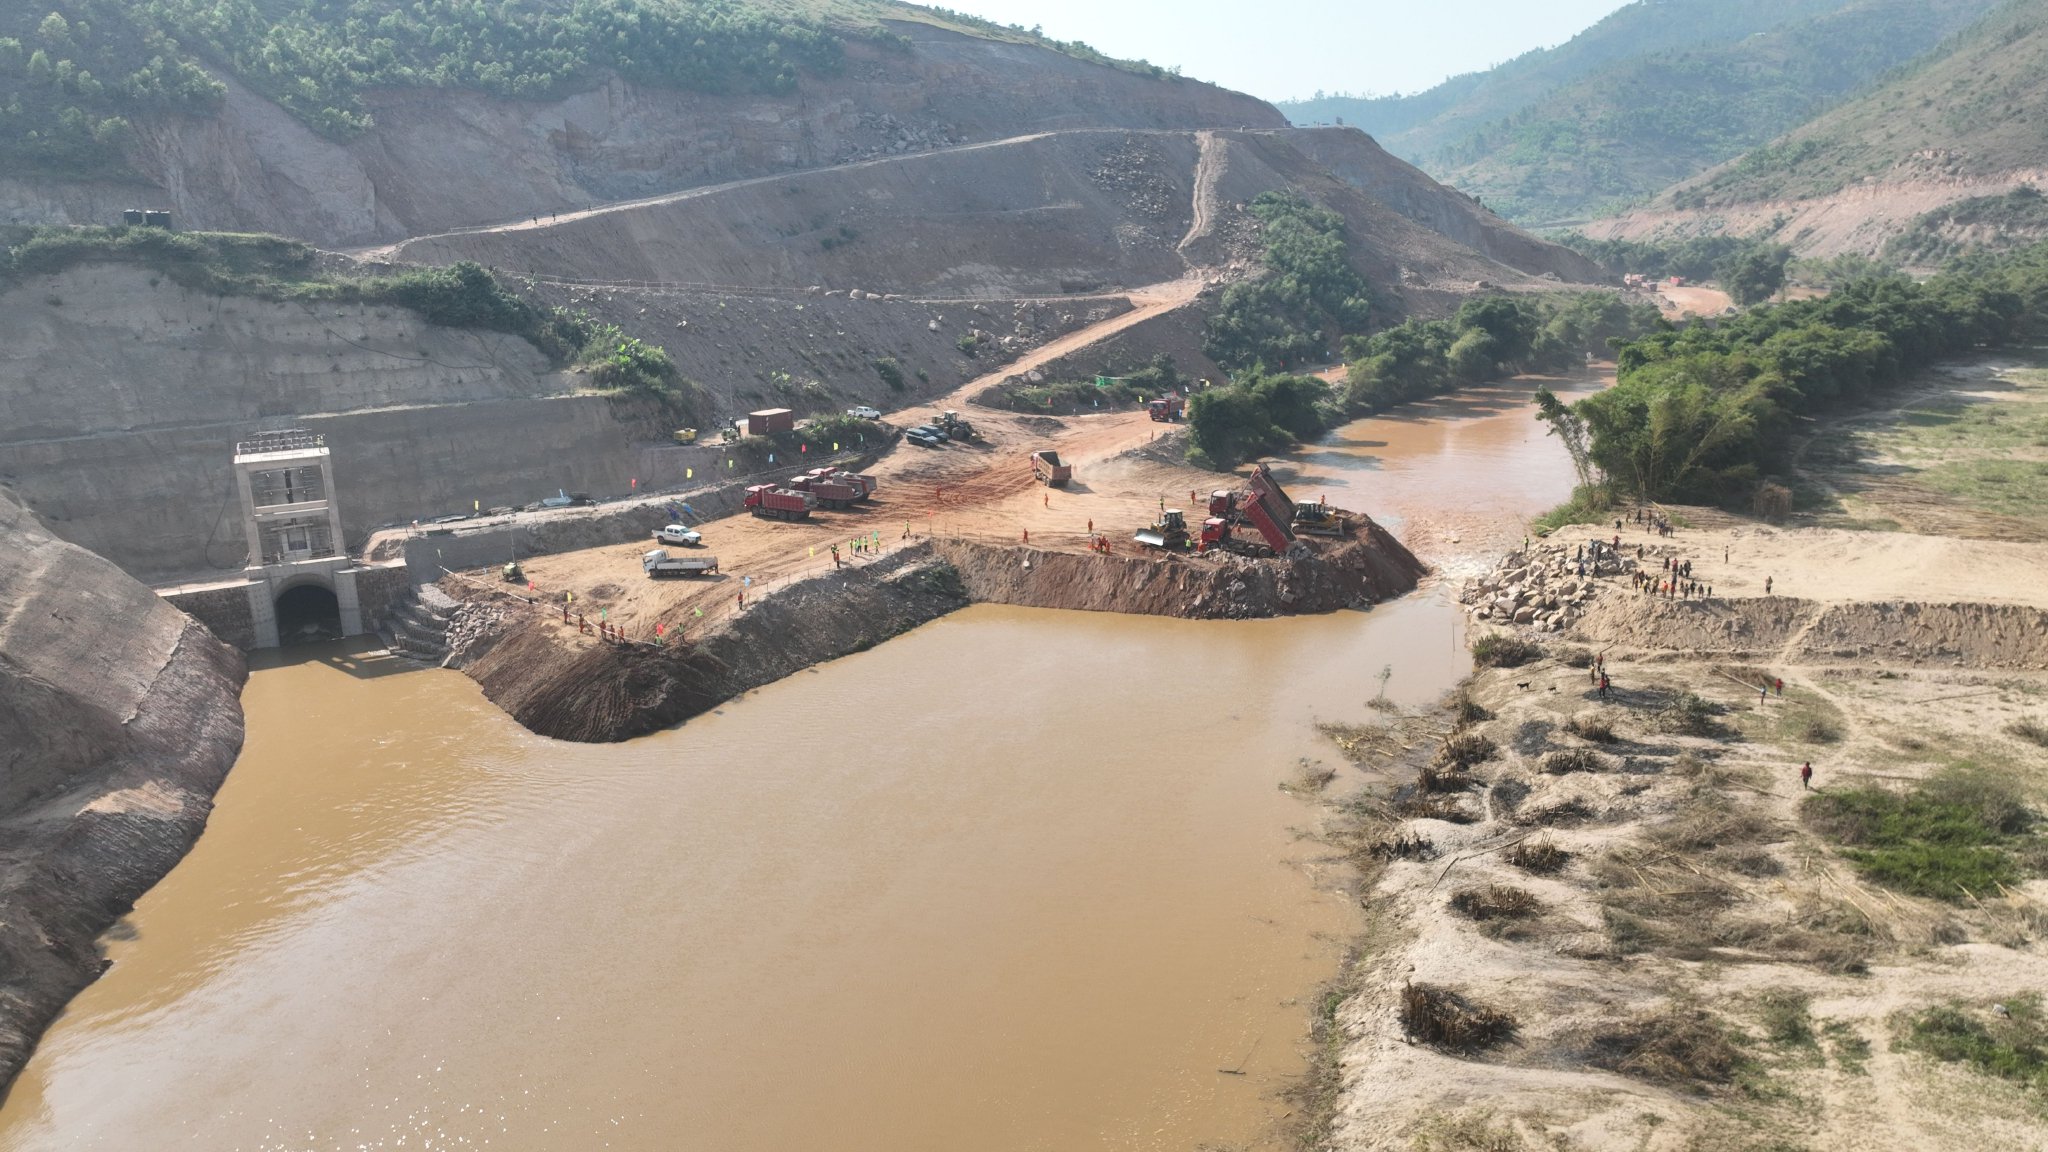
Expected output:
{"points": [[835, 445], [689, 473], [479, 505]]}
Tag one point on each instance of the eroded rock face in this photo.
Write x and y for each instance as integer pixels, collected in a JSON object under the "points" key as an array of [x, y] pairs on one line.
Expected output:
{"points": [[119, 717]]}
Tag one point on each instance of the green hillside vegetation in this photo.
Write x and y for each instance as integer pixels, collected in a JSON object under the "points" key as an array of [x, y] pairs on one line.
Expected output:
{"points": [[1705, 414], [1310, 296], [463, 295], [76, 74], [1651, 96], [1972, 107], [1628, 131], [1415, 126]]}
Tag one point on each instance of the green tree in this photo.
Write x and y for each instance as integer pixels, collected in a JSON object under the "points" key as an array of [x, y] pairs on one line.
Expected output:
{"points": [[1756, 275]]}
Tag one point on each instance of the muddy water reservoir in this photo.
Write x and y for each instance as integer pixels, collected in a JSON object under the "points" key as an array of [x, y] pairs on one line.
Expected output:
{"points": [[1019, 880]]}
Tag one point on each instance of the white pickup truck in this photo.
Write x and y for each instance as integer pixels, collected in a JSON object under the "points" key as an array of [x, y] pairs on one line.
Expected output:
{"points": [[658, 564], [681, 534]]}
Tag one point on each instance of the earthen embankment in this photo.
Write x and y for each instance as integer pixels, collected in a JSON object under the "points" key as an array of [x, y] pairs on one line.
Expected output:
{"points": [[558, 683], [119, 717]]}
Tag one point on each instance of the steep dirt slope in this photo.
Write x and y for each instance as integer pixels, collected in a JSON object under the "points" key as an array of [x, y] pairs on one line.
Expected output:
{"points": [[1048, 213], [1964, 122], [1358, 160], [1036, 214], [121, 717], [445, 159]]}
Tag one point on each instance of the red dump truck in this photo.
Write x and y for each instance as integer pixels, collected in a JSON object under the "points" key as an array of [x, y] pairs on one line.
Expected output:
{"points": [[779, 503], [1046, 465], [1166, 409], [867, 484], [830, 491]]}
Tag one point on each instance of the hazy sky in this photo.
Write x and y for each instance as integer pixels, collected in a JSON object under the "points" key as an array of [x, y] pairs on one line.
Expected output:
{"points": [[1286, 49]]}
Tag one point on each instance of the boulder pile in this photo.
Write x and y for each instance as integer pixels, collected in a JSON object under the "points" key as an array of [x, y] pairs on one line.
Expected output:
{"points": [[1546, 586]]}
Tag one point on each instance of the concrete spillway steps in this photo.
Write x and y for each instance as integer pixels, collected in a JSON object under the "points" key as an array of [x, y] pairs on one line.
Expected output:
{"points": [[417, 627]]}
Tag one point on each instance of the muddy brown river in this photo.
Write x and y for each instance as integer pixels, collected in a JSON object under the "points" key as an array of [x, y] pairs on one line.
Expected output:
{"points": [[1019, 880]]}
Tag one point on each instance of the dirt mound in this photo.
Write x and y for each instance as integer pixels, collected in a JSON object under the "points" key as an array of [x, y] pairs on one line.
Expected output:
{"points": [[1364, 570], [1971, 635], [561, 685], [1733, 627], [1898, 632], [542, 676]]}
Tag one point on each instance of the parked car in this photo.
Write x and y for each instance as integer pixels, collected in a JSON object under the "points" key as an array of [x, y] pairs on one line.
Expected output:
{"points": [[926, 439], [864, 412], [677, 534]]}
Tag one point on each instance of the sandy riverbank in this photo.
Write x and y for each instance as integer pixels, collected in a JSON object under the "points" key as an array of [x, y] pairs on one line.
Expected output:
{"points": [[1640, 930]]}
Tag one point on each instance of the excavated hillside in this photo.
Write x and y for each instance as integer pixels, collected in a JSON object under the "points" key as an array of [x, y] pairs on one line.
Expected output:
{"points": [[1040, 214], [120, 717], [122, 395], [437, 160]]}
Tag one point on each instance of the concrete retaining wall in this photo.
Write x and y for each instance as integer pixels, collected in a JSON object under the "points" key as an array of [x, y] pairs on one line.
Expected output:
{"points": [[160, 504]]}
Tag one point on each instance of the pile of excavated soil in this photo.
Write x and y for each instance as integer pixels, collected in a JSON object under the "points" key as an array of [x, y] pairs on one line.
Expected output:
{"points": [[560, 683], [1895, 632], [1369, 567]]}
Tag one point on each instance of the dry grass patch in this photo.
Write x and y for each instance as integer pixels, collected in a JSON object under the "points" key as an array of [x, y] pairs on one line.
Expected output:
{"points": [[1558, 814], [1435, 779], [1495, 902], [1568, 760], [1445, 1019], [1539, 855], [1470, 1132], [1713, 821], [1466, 711], [1591, 726], [2029, 729], [1464, 749], [1677, 1048], [1504, 650], [1420, 805], [1402, 846]]}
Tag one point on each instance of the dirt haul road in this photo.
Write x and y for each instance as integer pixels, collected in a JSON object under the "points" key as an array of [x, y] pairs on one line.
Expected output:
{"points": [[984, 489]]}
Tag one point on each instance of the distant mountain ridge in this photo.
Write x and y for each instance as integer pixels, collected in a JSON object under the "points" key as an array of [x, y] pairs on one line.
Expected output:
{"points": [[1965, 125], [1657, 92]]}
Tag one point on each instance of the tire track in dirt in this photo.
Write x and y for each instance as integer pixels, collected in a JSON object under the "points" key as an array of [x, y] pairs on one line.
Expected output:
{"points": [[1206, 174]]}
